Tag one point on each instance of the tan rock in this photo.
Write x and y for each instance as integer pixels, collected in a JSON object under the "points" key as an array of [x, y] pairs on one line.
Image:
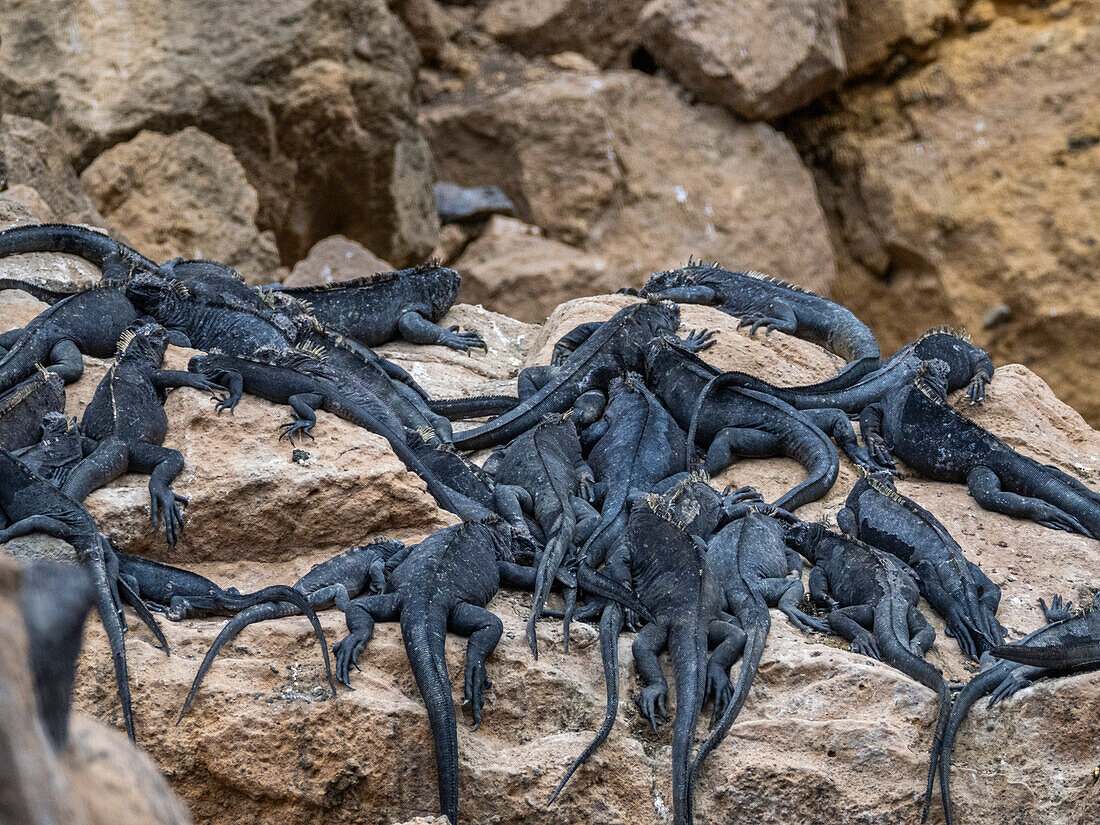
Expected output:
{"points": [[35, 156], [431, 25], [335, 259], [759, 58], [183, 195], [315, 101], [31, 201], [619, 166], [63, 272], [512, 265], [963, 188], [600, 31], [874, 29]]}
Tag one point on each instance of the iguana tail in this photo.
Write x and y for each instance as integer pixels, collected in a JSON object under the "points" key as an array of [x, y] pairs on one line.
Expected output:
{"points": [[458, 409], [94, 247], [757, 624], [561, 540], [45, 294], [687, 648], [424, 632], [1051, 656], [108, 614], [134, 600], [611, 624]]}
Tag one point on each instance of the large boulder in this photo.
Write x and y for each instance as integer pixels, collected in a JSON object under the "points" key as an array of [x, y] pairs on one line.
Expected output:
{"points": [[183, 195], [875, 30], [34, 156], [826, 735], [314, 98], [947, 204], [620, 166], [335, 259], [759, 58]]}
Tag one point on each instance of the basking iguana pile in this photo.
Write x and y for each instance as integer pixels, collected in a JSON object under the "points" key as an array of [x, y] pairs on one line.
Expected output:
{"points": [[598, 486]]}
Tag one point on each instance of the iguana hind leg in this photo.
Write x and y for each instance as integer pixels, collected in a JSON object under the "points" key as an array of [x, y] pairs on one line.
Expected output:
{"points": [[484, 629], [652, 698], [985, 486], [852, 623], [360, 615], [163, 465], [728, 640], [65, 360], [739, 442], [107, 462]]}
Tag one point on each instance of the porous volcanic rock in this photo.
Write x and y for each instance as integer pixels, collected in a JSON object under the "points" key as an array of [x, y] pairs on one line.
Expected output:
{"points": [[826, 735], [875, 30], [34, 156], [759, 58], [947, 205], [620, 166], [335, 259], [183, 195], [314, 98]]}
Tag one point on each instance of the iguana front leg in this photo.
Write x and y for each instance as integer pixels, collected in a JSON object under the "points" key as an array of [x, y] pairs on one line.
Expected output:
{"points": [[163, 465], [781, 318], [870, 427], [66, 361], [786, 594], [36, 524], [417, 329], [837, 425], [171, 379], [484, 629], [360, 616], [568, 343]]}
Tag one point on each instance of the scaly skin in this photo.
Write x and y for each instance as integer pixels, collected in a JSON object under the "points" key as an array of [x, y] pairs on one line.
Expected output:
{"points": [[332, 583], [872, 597], [443, 583], [919, 426], [406, 304], [760, 301], [1064, 639], [617, 347], [306, 384], [127, 420], [23, 407], [62, 447], [956, 587], [28, 505]]}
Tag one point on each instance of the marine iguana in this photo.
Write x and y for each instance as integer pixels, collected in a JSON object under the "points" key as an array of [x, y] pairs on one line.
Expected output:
{"points": [[406, 304], [55, 599], [761, 301], [61, 448], [616, 347], [302, 381], [543, 473], [872, 600], [753, 567], [739, 422], [127, 420], [969, 366], [28, 504], [23, 406], [1066, 642], [956, 587], [443, 583], [919, 426], [333, 583]]}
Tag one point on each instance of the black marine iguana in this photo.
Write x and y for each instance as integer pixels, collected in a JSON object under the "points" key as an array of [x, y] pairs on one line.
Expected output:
{"points": [[405, 304], [761, 301], [872, 600], [61, 448], [921, 428], [970, 366], [54, 599], [127, 420], [29, 504], [302, 381], [737, 422], [333, 583], [956, 587], [443, 583], [1066, 642], [23, 407]]}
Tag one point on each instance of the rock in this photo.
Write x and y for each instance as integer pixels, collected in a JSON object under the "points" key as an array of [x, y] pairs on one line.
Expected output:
{"points": [[875, 29], [335, 259], [945, 203], [430, 24], [54, 270], [760, 59], [35, 156], [824, 733], [602, 31], [29, 199], [512, 265], [99, 779], [457, 204], [619, 166], [324, 127], [183, 195]]}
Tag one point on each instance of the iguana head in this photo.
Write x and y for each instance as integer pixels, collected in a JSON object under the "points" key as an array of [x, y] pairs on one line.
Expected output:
{"points": [[146, 290], [932, 376], [437, 286], [55, 424], [144, 343], [803, 538], [955, 348], [686, 275]]}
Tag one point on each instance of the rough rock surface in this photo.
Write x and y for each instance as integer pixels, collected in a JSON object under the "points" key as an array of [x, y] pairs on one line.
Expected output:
{"points": [[314, 98], [875, 30], [620, 166], [511, 264], [34, 156], [99, 779], [759, 58], [825, 734], [183, 195], [54, 270], [335, 259], [946, 203]]}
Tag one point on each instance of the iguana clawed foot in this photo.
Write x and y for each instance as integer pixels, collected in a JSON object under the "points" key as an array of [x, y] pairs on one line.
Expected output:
{"points": [[719, 691], [1059, 609], [1008, 687], [462, 341], [287, 431], [476, 684], [975, 390], [163, 501], [1055, 519], [651, 704], [699, 340], [347, 652], [864, 643]]}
